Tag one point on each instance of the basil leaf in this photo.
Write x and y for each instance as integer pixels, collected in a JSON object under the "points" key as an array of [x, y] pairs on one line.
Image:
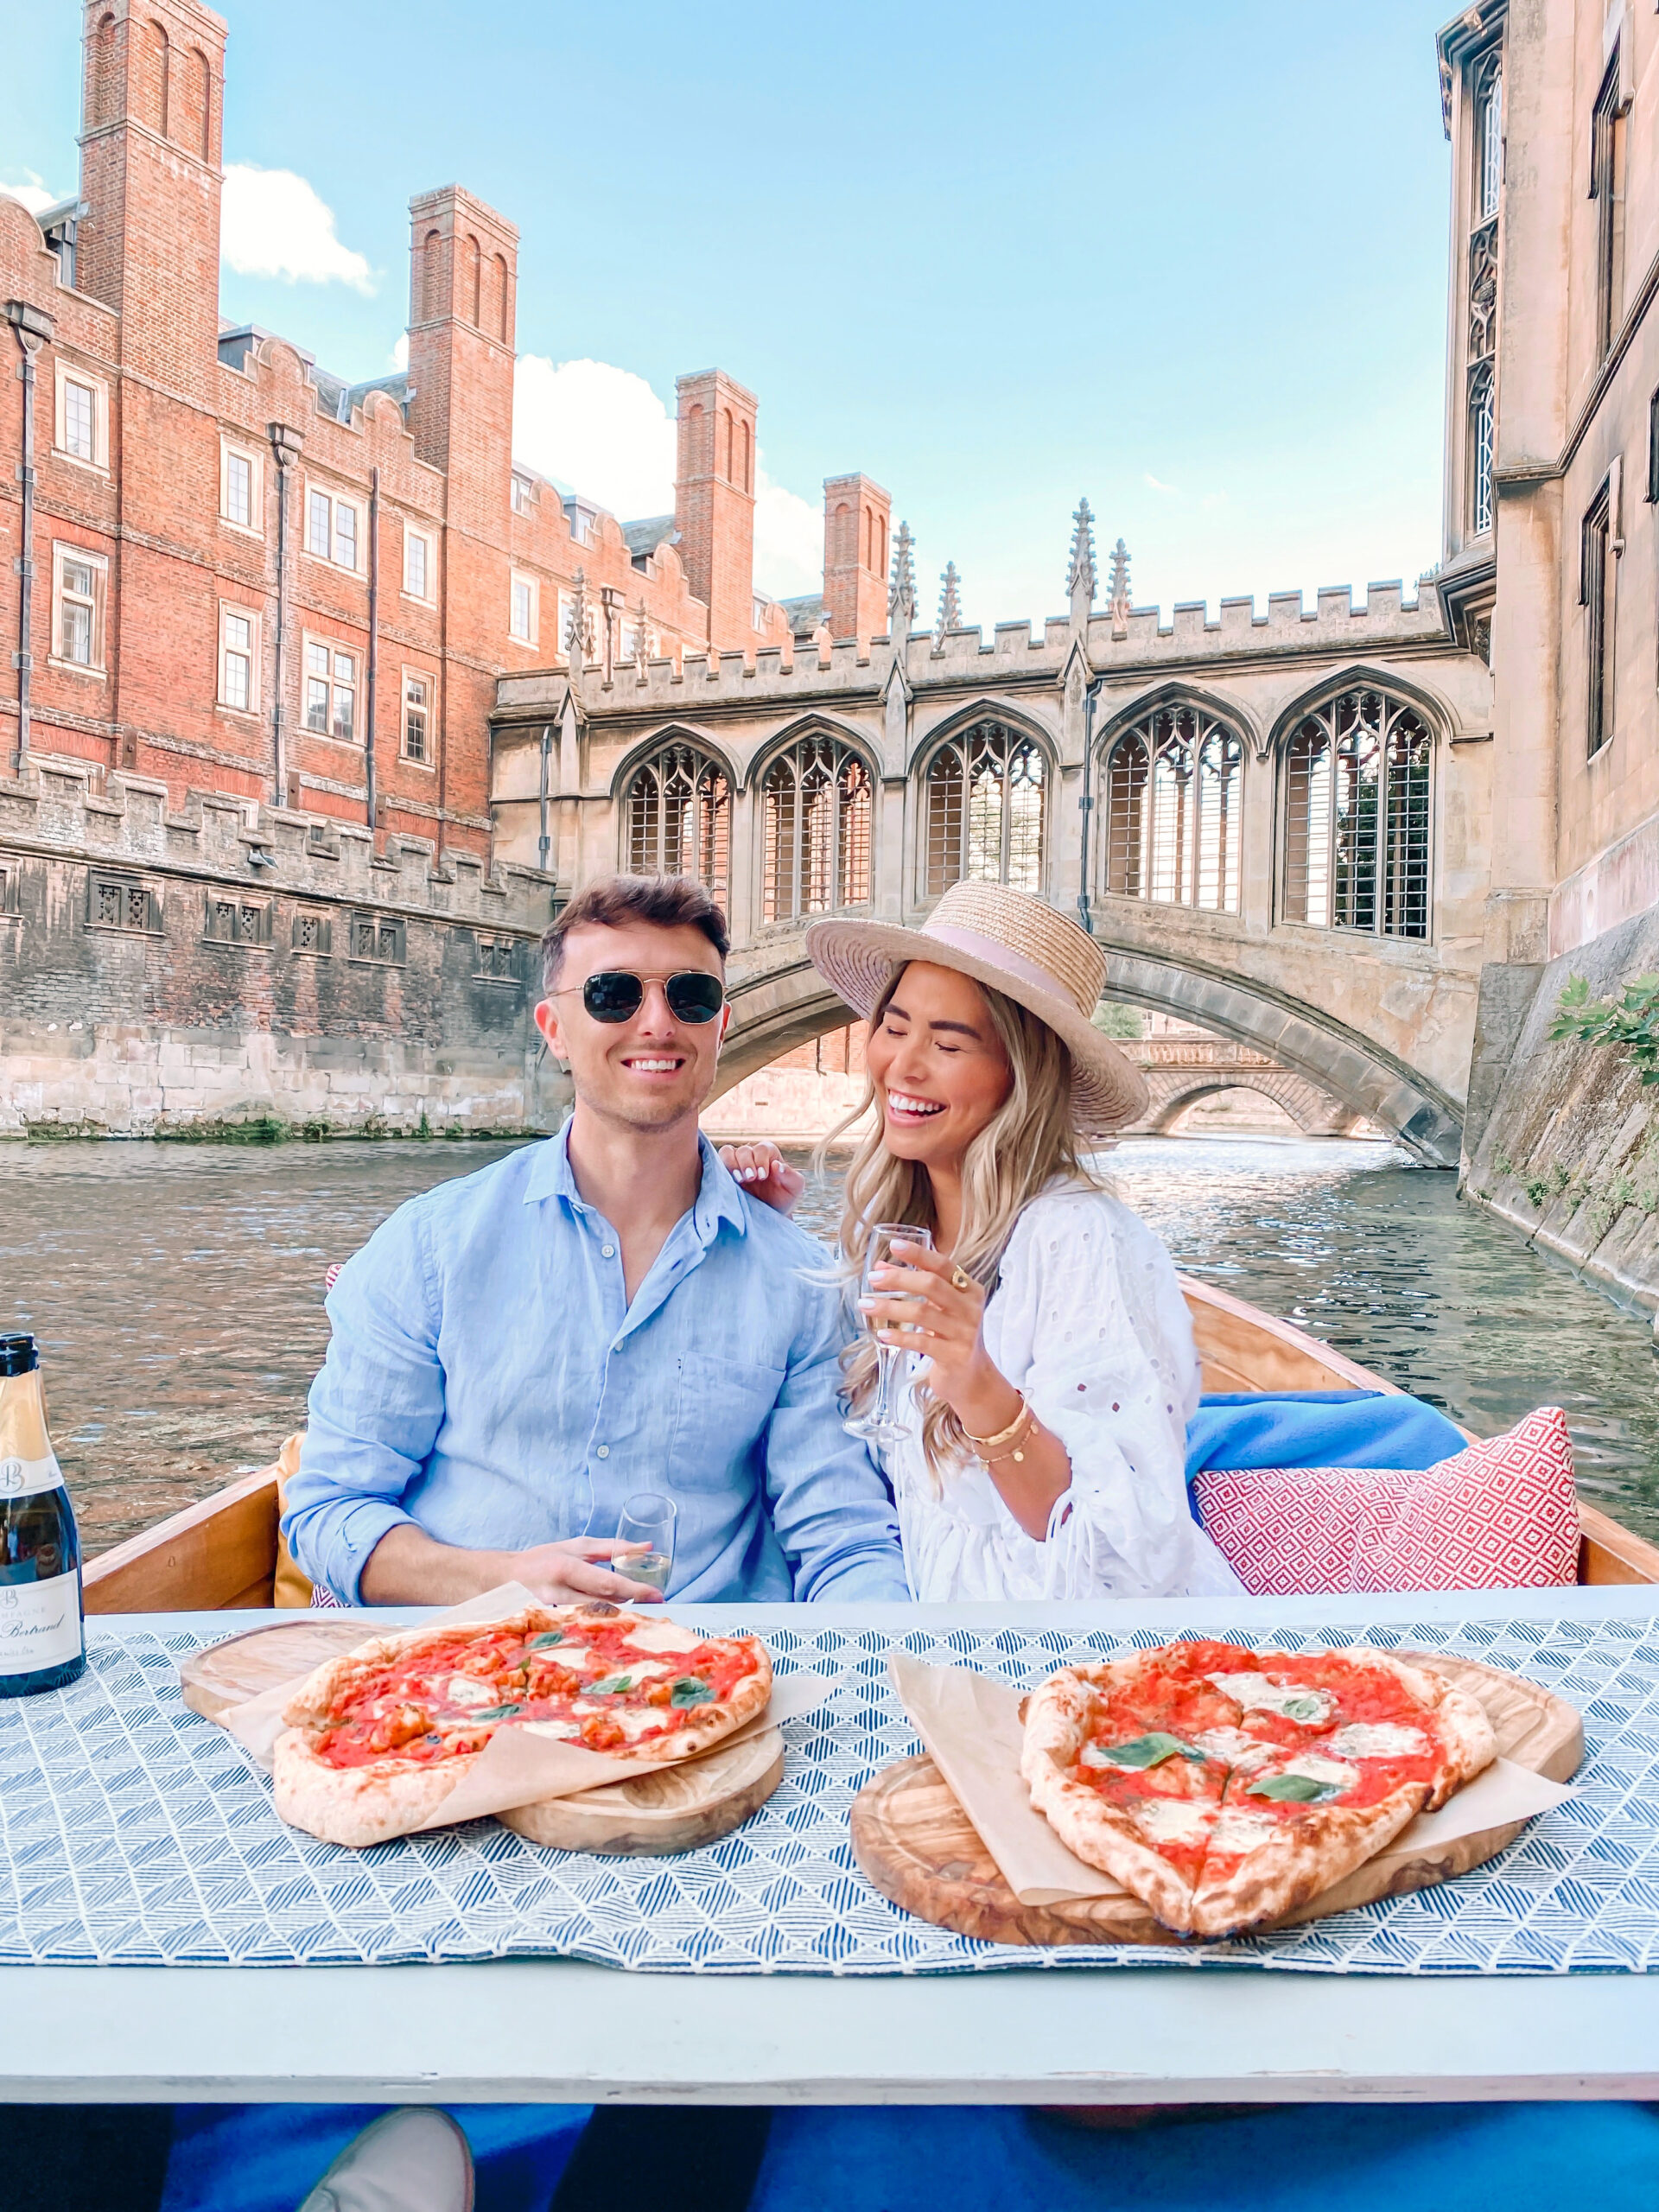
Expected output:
{"points": [[1143, 1752], [1304, 1708], [1293, 1789], [610, 1686], [495, 1712], [550, 1635], [690, 1689]]}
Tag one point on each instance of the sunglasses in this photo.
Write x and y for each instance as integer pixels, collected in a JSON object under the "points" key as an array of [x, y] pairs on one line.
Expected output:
{"points": [[614, 994]]}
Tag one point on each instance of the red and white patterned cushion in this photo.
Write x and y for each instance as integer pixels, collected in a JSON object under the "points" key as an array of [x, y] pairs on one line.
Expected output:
{"points": [[1502, 1515]]}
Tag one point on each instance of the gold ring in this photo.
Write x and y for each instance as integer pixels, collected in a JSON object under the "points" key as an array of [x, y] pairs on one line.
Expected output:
{"points": [[962, 1279]]}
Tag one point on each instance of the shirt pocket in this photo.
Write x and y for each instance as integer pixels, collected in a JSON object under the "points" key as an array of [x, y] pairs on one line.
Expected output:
{"points": [[725, 1404]]}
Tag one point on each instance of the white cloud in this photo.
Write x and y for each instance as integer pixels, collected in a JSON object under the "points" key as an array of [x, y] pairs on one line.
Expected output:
{"points": [[33, 193], [398, 357], [788, 540], [1174, 490], [604, 432], [275, 225]]}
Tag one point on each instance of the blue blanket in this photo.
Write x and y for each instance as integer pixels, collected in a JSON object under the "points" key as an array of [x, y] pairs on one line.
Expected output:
{"points": [[1318, 1429], [1530, 2157]]}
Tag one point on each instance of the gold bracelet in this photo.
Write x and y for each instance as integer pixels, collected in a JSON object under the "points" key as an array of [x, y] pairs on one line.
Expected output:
{"points": [[984, 1444], [1015, 1451]]}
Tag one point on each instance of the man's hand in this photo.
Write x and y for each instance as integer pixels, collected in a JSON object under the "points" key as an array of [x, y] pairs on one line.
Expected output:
{"points": [[408, 1568], [765, 1174], [565, 1574]]}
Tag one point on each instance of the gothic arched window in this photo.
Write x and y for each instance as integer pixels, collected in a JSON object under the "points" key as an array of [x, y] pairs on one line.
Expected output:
{"points": [[1357, 817], [814, 828], [985, 801], [1489, 137], [679, 818], [1481, 429], [1175, 810]]}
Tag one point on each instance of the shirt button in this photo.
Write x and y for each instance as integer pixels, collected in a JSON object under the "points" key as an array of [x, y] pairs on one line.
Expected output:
{"points": [[603, 1452], [607, 1252]]}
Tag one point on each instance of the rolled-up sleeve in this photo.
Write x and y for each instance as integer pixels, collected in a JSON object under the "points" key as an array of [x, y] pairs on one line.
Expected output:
{"points": [[375, 1408], [830, 1510]]}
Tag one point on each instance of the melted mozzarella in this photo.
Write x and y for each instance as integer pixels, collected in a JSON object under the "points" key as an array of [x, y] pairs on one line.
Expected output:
{"points": [[552, 1728], [637, 1670], [469, 1693], [576, 1656], [1173, 1820], [1383, 1739], [1256, 1694], [1332, 1772], [1231, 1745], [1241, 1831], [637, 1720], [663, 1636]]}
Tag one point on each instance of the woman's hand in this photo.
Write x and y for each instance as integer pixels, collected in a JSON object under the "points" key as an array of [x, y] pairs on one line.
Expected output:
{"points": [[927, 1310], [765, 1174], [565, 1574]]}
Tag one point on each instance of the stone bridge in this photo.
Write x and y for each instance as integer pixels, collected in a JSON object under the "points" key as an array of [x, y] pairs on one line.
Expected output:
{"points": [[1179, 1071], [1276, 825]]}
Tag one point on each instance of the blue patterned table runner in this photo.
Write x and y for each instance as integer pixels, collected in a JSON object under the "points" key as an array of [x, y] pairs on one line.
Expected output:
{"points": [[134, 1833]]}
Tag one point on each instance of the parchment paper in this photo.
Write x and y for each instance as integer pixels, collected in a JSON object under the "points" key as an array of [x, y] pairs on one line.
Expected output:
{"points": [[515, 1767], [971, 1725]]}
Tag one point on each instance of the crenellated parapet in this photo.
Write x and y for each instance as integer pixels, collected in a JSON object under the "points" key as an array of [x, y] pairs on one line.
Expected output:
{"points": [[1141, 642], [64, 811]]}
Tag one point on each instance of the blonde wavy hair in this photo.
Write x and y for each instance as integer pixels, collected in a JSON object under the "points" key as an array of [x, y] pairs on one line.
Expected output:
{"points": [[1031, 1141]]}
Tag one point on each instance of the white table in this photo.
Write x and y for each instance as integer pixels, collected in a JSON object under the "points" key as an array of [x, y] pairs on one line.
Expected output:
{"points": [[562, 2032]]}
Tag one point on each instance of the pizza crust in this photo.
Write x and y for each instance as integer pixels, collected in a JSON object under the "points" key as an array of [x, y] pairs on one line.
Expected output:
{"points": [[1058, 1721], [1299, 1862], [387, 1797]]}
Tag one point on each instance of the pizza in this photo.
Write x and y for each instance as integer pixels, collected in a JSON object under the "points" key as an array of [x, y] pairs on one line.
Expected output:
{"points": [[376, 1740], [1225, 1788]]}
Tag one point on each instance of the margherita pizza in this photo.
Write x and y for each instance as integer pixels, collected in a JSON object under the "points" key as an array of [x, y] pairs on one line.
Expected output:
{"points": [[378, 1739], [1226, 1788]]}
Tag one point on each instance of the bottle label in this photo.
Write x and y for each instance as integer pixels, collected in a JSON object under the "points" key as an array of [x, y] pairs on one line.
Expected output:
{"points": [[22, 1478], [40, 1624]]}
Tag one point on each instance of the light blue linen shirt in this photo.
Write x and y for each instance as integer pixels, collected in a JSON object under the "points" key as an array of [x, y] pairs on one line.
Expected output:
{"points": [[488, 1380]]}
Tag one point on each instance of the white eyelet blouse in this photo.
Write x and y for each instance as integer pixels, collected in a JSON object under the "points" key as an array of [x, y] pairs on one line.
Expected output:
{"points": [[1088, 1320]]}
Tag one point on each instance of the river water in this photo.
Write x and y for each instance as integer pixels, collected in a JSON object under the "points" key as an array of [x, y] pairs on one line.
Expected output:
{"points": [[177, 1293]]}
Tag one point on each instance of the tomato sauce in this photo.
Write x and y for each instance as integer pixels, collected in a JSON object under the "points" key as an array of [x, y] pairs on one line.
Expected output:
{"points": [[405, 1707]]}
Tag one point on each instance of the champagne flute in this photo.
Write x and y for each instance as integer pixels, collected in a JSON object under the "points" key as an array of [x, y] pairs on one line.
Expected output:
{"points": [[880, 1425], [648, 1518]]}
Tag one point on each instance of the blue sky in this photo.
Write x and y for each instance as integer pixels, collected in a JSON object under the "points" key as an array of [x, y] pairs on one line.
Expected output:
{"points": [[1190, 260]]}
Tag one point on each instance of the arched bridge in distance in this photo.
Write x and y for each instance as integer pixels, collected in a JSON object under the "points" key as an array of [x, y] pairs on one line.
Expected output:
{"points": [[1278, 824]]}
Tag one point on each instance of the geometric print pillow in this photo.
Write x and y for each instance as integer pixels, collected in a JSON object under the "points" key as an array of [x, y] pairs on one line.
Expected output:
{"points": [[1501, 1515]]}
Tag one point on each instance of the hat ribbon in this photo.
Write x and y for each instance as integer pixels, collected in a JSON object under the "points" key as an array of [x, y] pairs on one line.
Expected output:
{"points": [[995, 954]]}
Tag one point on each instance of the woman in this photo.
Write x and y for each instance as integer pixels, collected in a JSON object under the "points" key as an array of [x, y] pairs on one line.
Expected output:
{"points": [[1048, 1357]]}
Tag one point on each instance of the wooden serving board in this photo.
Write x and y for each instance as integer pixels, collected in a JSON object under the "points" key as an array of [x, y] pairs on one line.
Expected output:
{"points": [[917, 1846], [650, 1814]]}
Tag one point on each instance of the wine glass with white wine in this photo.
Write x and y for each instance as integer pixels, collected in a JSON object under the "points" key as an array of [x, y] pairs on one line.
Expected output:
{"points": [[880, 1424], [648, 1518]]}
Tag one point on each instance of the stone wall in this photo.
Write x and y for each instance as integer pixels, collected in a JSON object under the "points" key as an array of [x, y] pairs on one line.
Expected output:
{"points": [[1569, 1153], [171, 975]]}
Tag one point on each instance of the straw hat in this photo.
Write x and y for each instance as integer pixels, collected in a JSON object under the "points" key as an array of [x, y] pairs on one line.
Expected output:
{"points": [[1011, 943]]}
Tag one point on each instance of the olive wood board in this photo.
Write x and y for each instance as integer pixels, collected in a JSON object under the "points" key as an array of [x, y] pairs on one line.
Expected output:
{"points": [[680, 1808], [917, 1846]]}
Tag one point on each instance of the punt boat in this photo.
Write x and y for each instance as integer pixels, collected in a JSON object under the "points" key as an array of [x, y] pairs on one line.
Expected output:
{"points": [[222, 1554]]}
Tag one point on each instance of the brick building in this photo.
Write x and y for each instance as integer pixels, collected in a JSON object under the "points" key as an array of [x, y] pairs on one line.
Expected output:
{"points": [[245, 568], [229, 578]]}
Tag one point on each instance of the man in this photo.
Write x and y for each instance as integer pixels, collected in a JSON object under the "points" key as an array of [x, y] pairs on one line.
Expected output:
{"points": [[517, 1352]]}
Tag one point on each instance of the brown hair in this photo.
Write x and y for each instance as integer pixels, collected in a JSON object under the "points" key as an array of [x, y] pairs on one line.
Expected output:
{"points": [[611, 902]]}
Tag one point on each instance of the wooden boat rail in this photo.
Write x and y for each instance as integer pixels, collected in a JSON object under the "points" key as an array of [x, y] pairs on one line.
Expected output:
{"points": [[222, 1553]]}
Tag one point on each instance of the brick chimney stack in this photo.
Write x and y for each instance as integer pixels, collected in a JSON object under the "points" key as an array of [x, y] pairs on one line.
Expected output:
{"points": [[463, 282], [713, 501], [856, 514], [152, 108]]}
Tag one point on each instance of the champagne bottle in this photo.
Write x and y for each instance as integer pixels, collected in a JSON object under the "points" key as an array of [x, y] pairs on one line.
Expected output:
{"points": [[42, 1639]]}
